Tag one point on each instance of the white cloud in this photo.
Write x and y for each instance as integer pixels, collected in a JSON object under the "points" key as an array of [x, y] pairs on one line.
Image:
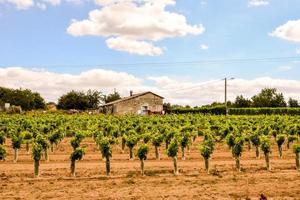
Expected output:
{"points": [[298, 51], [53, 2], [133, 46], [41, 6], [20, 4], [256, 3], [289, 31], [51, 85], [204, 46], [284, 68], [201, 93], [144, 21], [176, 90]]}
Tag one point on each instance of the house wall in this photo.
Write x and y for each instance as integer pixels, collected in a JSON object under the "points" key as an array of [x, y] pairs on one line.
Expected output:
{"points": [[132, 106]]}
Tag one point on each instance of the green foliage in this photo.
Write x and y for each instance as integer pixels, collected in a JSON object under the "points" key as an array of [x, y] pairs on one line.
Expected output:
{"points": [[296, 148], [80, 100], [37, 150], [17, 140], [280, 139], [76, 140], [172, 150], [147, 137], [157, 139], [2, 152], [206, 148], [27, 99], [112, 97], [230, 140], [242, 102], [268, 97], [143, 151], [255, 139], [2, 137], [185, 140], [55, 137], [77, 154], [27, 136], [105, 146], [238, 146], [131, 140], [265, 144], [42, 140]]}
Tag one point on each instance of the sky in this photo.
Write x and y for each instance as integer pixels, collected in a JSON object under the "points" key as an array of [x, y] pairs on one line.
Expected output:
{"points": [[179, 49]]}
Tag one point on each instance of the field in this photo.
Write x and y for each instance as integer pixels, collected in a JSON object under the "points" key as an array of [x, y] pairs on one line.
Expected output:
{"points": [[17, 180]]}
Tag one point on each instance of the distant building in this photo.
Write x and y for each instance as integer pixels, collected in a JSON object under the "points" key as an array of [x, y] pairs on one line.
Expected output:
{"points": [[51, 106], [142, 104]]}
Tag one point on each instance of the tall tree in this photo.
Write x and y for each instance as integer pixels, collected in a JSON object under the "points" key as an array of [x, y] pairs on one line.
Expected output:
{"points": [[242, 102], [293, 103], [269, 97], [112, 97]]}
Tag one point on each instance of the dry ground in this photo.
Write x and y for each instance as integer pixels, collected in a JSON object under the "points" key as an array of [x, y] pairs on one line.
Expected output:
{"points": [[17, 182]]}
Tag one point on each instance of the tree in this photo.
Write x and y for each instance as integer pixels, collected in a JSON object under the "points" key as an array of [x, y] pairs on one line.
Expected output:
{"points": [[112, 97], [80, 100], [268, 97], [36, 155], [27, 99], [94, 98], [142, 155], [73, 100], [293, 103], [172, 151], [242, 102]]}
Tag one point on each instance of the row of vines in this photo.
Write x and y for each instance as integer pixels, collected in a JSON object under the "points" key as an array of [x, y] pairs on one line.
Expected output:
{"points": [[41, 133]]}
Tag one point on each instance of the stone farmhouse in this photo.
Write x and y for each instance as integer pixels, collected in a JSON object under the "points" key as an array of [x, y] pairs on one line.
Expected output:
{"points": [[142, 104]]}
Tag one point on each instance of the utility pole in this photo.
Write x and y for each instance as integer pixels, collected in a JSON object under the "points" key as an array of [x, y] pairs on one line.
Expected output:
{"points": [[226, 107], [226, 103]]}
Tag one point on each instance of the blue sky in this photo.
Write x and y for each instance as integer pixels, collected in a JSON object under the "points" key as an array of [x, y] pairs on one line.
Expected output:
{"points": [[36, 35]]}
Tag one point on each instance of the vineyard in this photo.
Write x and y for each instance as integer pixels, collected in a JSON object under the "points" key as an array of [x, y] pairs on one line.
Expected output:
{"points": [[187, 156]]}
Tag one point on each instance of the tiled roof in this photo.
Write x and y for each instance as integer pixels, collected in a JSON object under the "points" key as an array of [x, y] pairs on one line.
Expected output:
{"points": [[130, 97]]}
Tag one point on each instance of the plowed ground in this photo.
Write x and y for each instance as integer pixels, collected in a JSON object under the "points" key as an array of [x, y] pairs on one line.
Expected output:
{"points": [[125, 182]]}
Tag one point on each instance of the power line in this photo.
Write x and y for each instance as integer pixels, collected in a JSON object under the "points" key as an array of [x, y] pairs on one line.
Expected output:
{"points": [[190, 63]]}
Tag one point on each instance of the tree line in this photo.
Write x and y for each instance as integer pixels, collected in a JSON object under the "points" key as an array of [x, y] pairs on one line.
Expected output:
{"points": [[25, 98], [267, 98]]}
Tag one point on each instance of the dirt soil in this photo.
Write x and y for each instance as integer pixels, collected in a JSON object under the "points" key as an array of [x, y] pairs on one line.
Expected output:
{"points": [[125, 182]]}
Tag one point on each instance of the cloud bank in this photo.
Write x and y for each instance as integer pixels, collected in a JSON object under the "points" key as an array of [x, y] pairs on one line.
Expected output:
{"points": [[52, 85]]}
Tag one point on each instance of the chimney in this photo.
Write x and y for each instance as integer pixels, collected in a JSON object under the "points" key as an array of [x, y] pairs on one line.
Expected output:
{"points": [[131, 93]]}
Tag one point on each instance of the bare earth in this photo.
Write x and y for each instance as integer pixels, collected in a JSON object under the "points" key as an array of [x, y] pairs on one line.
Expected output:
{"points": [[125, 182]]}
